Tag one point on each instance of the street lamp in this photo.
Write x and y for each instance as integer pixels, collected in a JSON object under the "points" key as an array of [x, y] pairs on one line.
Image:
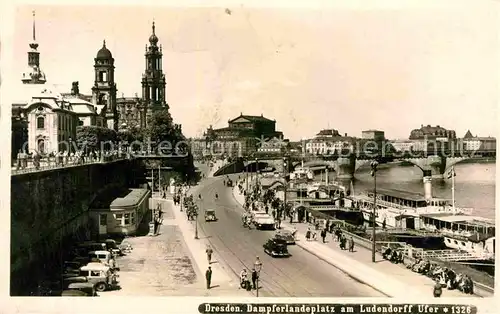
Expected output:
{"points": [[258, 266], [374, 165], [196, 222], [285, 185]]}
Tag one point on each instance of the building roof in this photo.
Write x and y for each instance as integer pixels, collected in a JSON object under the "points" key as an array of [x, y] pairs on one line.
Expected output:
{"points": [[260, 118], [328, 132], [130, 199], [371, 130], [104, 53], [468, 134]]}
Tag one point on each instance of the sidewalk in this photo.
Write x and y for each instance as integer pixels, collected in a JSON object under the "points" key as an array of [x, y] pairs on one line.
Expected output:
{"points": [[222, 283], [391, 279]]}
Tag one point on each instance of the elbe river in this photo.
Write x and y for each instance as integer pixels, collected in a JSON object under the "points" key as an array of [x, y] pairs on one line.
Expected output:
{"points": [[474, 184]]}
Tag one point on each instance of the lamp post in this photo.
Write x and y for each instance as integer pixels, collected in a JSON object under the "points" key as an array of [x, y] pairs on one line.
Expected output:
{"points": [[285, 185], [258, 266], [196, 222], [374, 165]]}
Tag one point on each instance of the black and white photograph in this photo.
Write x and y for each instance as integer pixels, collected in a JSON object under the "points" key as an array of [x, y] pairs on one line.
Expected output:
{"points": [[245, 150]]}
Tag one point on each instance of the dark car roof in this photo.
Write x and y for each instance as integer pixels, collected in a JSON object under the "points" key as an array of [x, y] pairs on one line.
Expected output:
{"points": [[278, 241]]}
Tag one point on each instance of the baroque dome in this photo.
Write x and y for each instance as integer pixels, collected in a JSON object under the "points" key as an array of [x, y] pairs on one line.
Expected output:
{"points": [[104, 53]]}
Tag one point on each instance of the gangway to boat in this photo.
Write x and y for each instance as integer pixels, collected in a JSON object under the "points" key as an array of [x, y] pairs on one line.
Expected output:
{"points": [[450, 255]]}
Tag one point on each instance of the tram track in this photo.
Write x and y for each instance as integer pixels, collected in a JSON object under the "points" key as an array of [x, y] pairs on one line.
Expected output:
{"points": [[301, 275]]}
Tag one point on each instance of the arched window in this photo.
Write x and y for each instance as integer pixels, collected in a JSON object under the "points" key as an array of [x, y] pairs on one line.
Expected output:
{"points": [[41, 145], [40, 123], [103, 76]]}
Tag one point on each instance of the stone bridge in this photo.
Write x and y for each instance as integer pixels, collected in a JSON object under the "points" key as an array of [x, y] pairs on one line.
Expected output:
{"points": [[346, 167], [435, 166]]}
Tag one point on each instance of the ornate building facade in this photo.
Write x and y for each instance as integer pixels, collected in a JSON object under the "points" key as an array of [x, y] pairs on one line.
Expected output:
{"points": [[134, 112], [43, 118], [243, 136], [104, 89]]}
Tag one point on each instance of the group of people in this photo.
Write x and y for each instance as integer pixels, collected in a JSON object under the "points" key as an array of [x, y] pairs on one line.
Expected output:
{"points": [[245, 282], [63, 158]]}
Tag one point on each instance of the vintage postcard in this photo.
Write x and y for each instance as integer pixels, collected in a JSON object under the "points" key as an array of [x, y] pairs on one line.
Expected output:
{"points": [[258, 157]]}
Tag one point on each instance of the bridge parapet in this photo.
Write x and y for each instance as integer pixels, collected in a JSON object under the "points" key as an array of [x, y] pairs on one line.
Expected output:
{"points": [[435, 165]]}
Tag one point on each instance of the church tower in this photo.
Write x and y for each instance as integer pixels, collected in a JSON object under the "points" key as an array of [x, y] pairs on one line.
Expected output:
{"points": [[33, 74], [104, 89], [153, 79]]}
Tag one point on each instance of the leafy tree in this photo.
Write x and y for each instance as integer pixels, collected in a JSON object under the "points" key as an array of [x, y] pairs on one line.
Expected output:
{"points": [[161, 128], [19, 135], [93, 137]]}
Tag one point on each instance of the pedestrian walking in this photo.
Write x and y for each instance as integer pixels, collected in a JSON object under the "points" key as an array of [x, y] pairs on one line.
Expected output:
{"points": [[308, 234], [351, 244], [255, 276], [323, 235], [208, 276], [438, 290], [342, 242], [209, 252]]}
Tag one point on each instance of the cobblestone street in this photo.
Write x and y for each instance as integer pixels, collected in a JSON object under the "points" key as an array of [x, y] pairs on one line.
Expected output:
{"points": [[159, 265]]}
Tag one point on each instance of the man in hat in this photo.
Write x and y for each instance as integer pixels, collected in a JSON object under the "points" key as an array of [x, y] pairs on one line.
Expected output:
{"points": [[208, 276]]}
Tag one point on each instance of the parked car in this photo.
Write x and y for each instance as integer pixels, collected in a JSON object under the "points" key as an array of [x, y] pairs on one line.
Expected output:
{"points": [[100, 276], [210, 215], [73, 293], [71, 267], [86, 287], [104, 257], [276, 248], [286, 235], [113, 246]]}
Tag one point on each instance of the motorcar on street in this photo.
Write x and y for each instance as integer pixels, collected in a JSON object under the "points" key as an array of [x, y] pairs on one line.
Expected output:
{"points": [[210, 215], [264, 221], [286, 235], [100, 276], [276, 248]]}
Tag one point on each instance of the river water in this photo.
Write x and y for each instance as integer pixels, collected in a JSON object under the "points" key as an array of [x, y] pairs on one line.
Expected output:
{"points": [[474, 184]]}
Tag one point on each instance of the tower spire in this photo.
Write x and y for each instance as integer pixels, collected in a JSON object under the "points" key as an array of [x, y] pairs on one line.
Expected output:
{"points": [[34, 27], [104, 43], [34, 44], [154, 27]]}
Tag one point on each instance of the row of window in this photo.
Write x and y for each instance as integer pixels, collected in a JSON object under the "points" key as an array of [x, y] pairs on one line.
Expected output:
{"points": [[123, 220]]}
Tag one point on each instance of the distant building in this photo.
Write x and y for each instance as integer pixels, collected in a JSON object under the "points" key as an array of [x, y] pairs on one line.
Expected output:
{"points": [[475, 143], [273, 146], [375, 135], [433, 138], [328, 133], [244, 135], [328, 142], [402, 145]]}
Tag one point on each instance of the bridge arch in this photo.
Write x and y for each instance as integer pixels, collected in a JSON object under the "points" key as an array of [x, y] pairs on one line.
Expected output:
{"points": [[435, 166]]}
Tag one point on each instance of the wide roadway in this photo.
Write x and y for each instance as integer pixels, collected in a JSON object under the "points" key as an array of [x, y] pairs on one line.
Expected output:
{"points": [[300, 275]]}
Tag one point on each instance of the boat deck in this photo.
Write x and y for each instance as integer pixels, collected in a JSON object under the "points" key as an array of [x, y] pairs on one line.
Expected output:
{"points": [[451, 255]]}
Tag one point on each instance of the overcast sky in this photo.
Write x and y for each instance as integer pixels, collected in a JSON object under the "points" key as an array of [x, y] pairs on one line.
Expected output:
{"points": [[391, 69]]}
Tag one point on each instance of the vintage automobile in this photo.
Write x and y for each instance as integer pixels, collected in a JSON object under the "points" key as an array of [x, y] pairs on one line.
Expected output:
{"points": [[86, 287], [229, 183], [104, 257], [286, 235], [73, 293], [276, 248], [100, 276], [210, 215], [113, 246], [263, 221]]}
